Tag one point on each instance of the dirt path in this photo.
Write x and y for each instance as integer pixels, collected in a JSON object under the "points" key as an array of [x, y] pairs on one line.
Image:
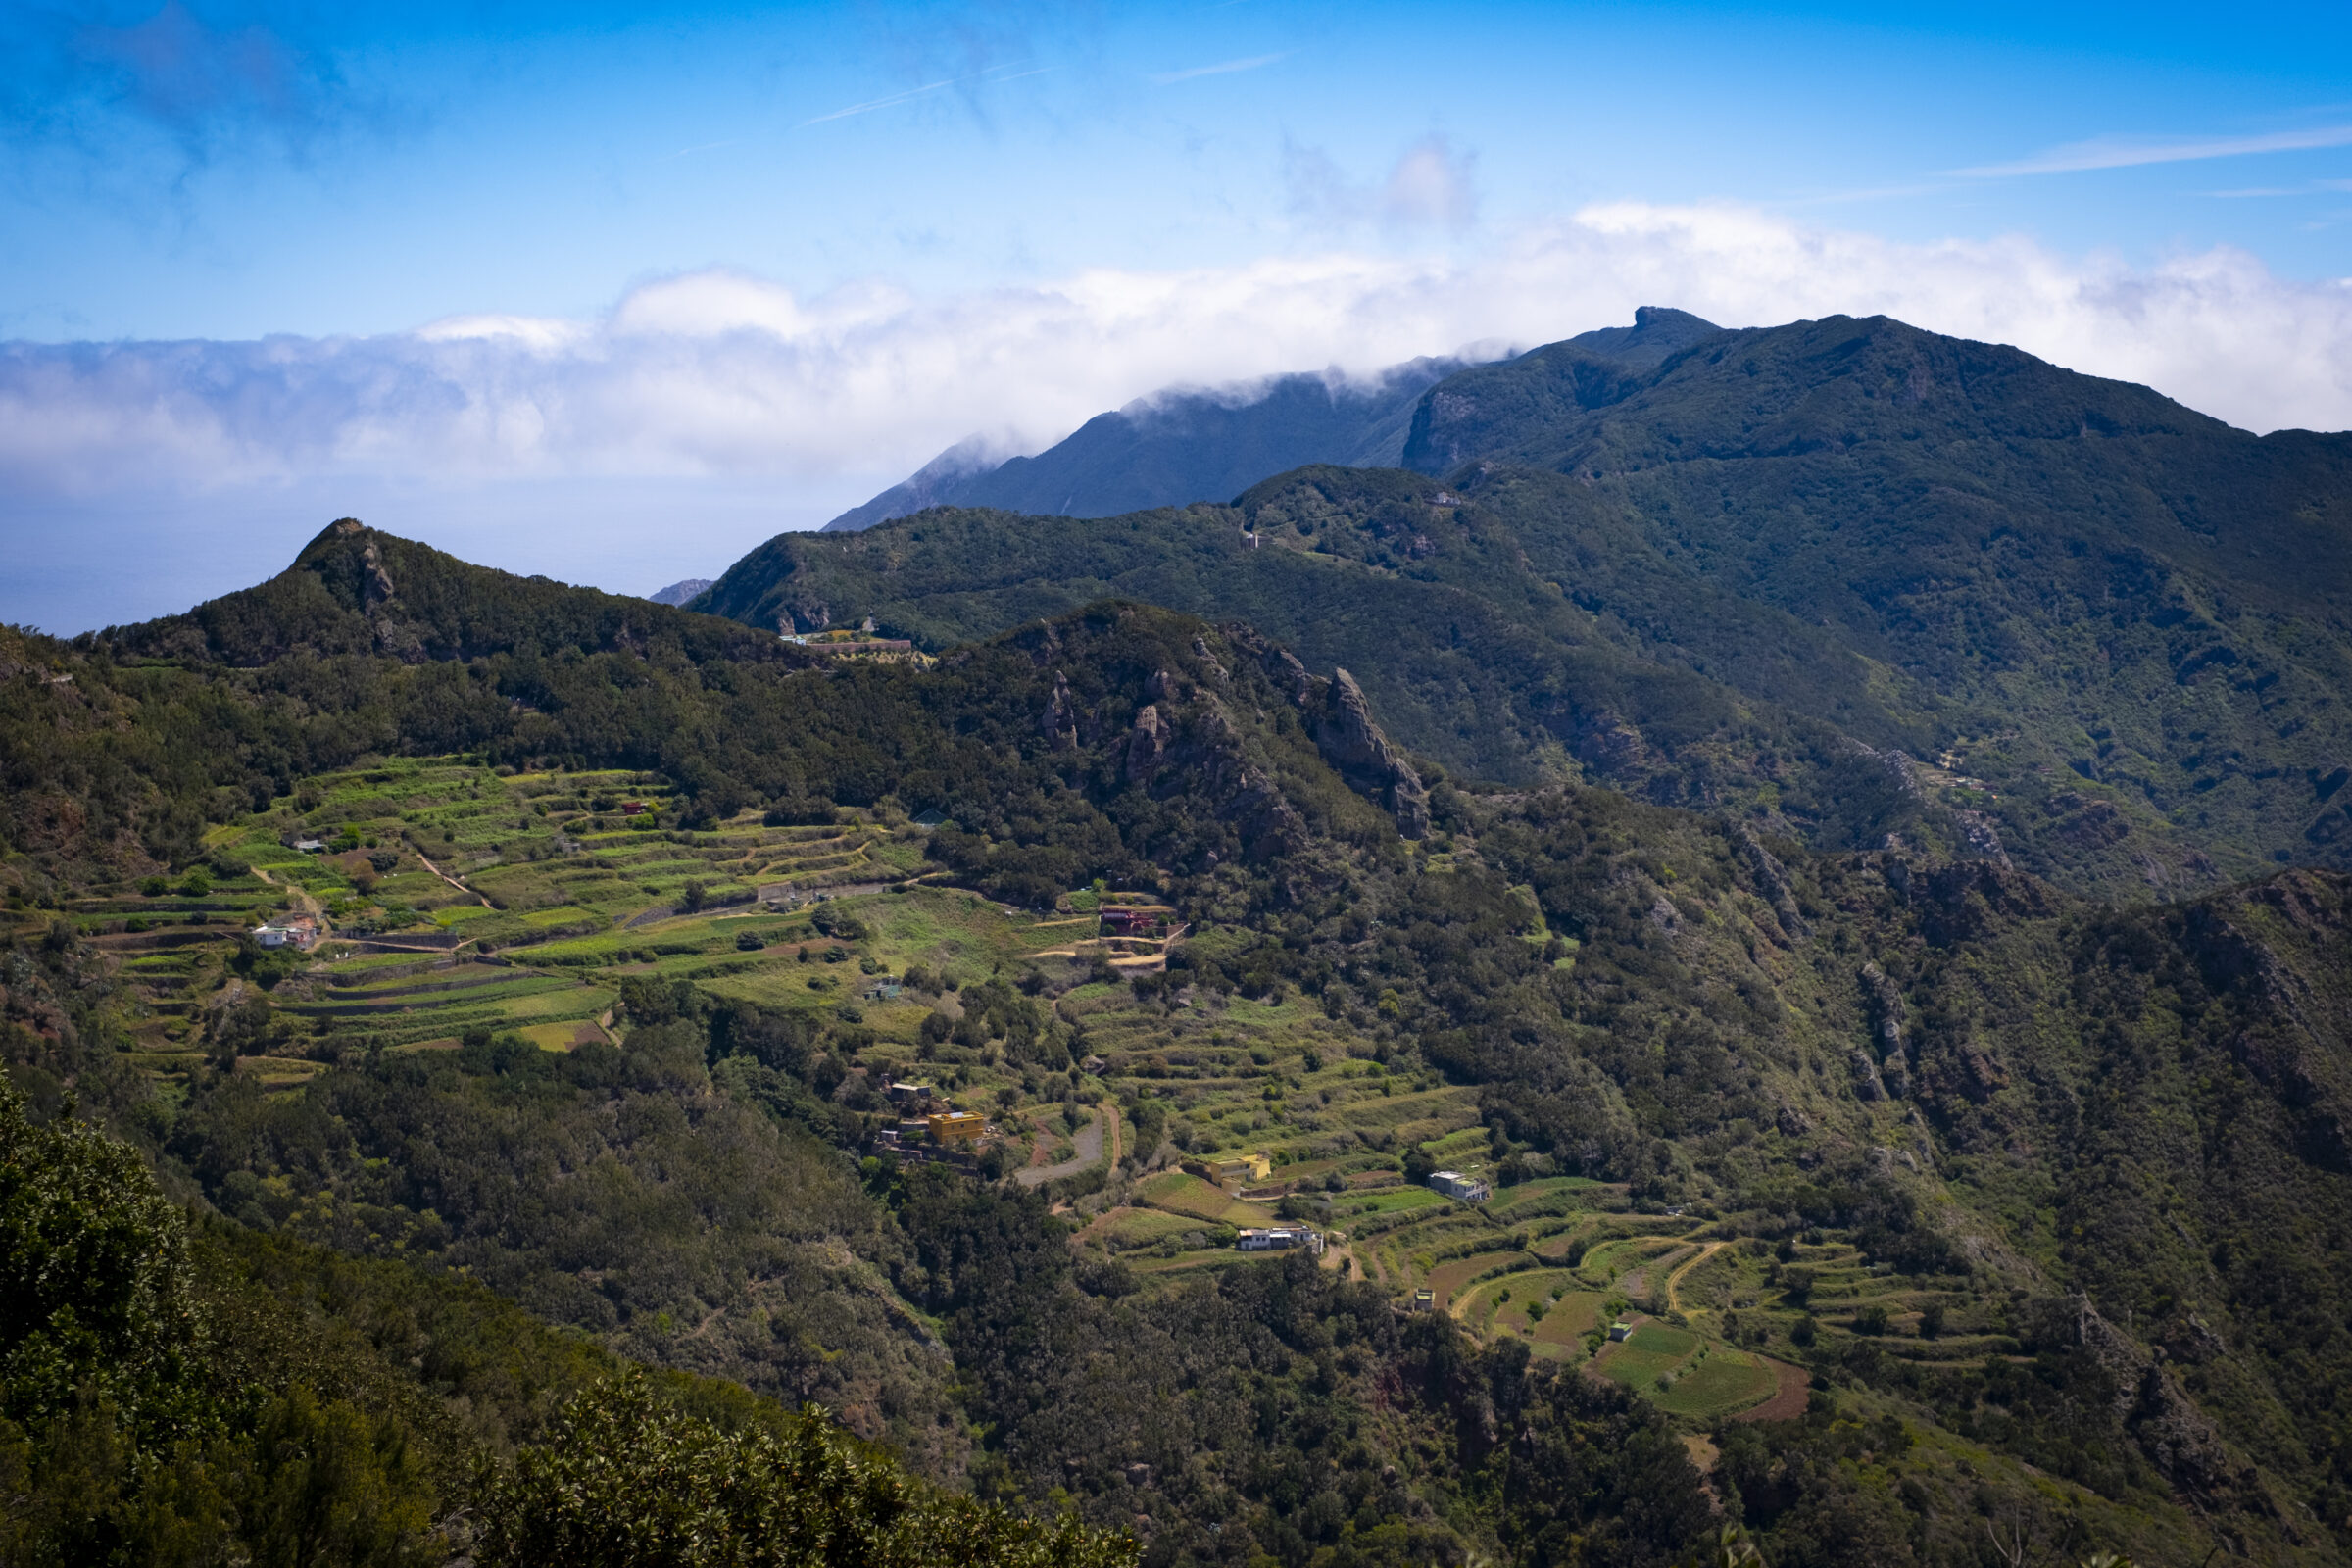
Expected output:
{"points": [[446, 877], [768, 891], [303, 901], [1087, 1143], [1706, 1251]]}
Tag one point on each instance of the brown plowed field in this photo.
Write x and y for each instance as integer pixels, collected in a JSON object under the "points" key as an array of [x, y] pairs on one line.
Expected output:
{"points": [[1789, 1395], [1446, 1280]]}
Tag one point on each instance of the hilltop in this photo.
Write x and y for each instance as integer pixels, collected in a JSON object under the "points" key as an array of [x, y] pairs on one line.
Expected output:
{"points": [[1846, 576]]}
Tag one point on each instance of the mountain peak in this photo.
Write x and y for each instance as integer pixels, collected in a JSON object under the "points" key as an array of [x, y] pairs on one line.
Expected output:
{"points": [[1658, 332]]}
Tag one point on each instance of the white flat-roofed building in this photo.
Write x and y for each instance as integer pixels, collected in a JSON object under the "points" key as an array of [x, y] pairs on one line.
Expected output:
{"points": [[1462, 1189], [1279, 1239]]}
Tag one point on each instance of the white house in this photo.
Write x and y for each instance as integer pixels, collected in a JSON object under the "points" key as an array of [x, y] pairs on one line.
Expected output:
{"points": [[1465, 1189], [1278, 1238]]}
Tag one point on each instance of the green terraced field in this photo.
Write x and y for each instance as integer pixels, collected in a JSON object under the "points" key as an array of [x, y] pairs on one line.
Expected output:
{"points": [[465, 902], [1398, 1201], [1726, 1381], [1651, 1348], [1179, 1194]]}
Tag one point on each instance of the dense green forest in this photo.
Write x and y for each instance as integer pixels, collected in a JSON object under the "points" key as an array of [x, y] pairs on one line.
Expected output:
{"points": [[1862, 576], [178, 1389], [2038, 1205]]}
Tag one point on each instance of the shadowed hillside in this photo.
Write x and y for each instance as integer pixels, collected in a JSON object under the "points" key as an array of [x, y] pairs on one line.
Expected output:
{"points": [[2071, 623], [1933, 1195]]}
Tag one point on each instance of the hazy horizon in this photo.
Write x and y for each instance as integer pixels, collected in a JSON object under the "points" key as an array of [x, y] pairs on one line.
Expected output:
{"points": [[613, 296]]}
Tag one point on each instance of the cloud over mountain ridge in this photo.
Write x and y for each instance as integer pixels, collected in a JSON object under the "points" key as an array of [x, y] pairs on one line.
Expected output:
{"points": [[722, 374]]}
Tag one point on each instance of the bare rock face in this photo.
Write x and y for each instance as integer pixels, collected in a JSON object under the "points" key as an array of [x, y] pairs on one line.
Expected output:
{"points": [[1340, 719], [1147, 743], [1354, 745], [1199, 745], [2169, 1427], [377, 587], [1885, 1001], [1771, 880], [1058, 723], [1291, 674], [1866, 1075], [377, 593]]}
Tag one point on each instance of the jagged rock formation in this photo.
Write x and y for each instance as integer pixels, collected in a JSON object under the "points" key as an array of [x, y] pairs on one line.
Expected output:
{"points": [[1886, 1006], [1867, 1084], [1146, 745], [1354, 745], [1340, 720], [1772, 879]]}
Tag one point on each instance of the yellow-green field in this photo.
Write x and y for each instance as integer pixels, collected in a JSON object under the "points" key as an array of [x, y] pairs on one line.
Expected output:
{"points": [[463, 903]]}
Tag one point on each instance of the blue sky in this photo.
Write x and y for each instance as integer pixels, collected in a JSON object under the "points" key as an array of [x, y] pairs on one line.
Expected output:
{"points": [[232, 170], [889, 192]]}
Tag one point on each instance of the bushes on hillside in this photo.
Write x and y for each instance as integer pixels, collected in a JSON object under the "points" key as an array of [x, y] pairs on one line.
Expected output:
{"points": [[630, 1481]]}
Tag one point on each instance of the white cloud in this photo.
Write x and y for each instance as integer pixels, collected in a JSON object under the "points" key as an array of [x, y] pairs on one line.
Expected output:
{"points": [[725, 377], [1223, 68], [1431, 185], [2130, 152]]}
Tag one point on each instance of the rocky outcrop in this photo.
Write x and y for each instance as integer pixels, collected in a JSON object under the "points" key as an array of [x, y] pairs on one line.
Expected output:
{"points": [[1970, 900], [1771, 881], [1205, 746], [1354, 745], [1867, 1083], [379, 581], [1058, 724], [1340, 720], [2170, 1430], [1146, 744], [1884, 1001]]}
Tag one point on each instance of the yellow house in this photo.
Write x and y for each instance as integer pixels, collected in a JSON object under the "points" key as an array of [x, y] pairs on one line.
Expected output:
{"points": [[1223, 1168], [958, 1127]]}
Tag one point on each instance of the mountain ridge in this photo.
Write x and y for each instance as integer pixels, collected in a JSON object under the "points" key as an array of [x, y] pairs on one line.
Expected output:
{"points": [[1186, 444], [2103, 630]]}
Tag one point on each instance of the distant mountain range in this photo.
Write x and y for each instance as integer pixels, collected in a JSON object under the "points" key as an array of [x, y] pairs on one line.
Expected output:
{"points": [[1859, 577], [679, 592], [1185, 445]]}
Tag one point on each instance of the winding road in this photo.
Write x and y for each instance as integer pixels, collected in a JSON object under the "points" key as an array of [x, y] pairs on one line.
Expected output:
{"points": [[1706, 1251], [1087, 1143]]}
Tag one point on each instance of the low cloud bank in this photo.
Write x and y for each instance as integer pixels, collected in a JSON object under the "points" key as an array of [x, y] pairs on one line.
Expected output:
{"points": [[705, 412], [719, 374]]}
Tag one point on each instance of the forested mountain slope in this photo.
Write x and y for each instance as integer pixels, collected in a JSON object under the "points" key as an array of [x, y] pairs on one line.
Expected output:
{"points": [[1182, 445], [2048, 1199], [2126, 590], [177, 1388], [1176, 446], [2096, 632]]}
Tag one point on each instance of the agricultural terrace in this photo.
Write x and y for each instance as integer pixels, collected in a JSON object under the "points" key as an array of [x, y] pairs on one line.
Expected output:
{"points": [[462, 904]]}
